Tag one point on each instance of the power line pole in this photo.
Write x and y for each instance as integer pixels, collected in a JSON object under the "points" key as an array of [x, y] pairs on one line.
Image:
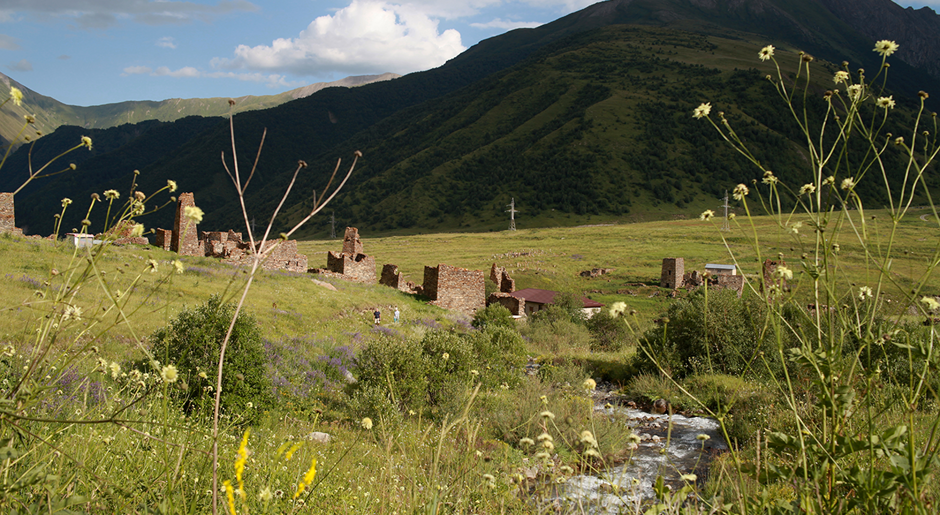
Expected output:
{"points": [[726, 226], [332, 225], [512, 214]]}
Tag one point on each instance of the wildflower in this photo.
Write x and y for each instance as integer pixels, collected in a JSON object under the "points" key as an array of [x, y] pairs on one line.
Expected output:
{"points": [[16, 95], [635, 438], [740, 191], [593, 453], [240, 462], [152, 265], [547, 415], [732, 216], [171, 185], [203, 375], [841, 76], [542, 455], [854, 91], [769, 178], [86, 141], [526, 441], [490, 480], [565, 469], [544, 399], [587, 438], [193, 214], [706, 215], [229, 494], [848, 183], [783, 272], [169, 374], [137, 231], [766, 53], [115, 369], [178, 265], [474, 372], [885, 47], [632, 446], [308, 477], [865, 293], [250, 405], [829, 181], [807, 189], [545, 437], [885, 102], [589, 384], [930, 303], [688, 477], [548, 445], [795, 227], [899, 140], [702, 437], [265, 494], [66, 201], [446, 356], [72, 313], [367, 423], [702, 110]]}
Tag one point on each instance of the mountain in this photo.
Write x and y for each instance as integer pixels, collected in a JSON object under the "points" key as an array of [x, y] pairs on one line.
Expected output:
{"points": [[585, 118], [50, 113]]}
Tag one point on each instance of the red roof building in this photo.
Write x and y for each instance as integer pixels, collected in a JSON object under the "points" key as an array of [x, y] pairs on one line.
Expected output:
{"points": [[536, 299]]}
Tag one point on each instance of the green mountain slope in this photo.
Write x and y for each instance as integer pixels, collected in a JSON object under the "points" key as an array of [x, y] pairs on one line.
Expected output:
{"points": [[586, 118]]}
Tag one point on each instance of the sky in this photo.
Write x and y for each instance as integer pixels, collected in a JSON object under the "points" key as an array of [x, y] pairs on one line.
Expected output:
{"points": [[93, 52]]}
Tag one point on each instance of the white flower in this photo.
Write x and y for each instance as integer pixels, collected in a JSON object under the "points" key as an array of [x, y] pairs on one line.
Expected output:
{"points": [[740, 191], [589, 384], [16, 95], [86, 141], [865, 293], [702, 110], [766, 53], [807, 189], [769, 178], [171, 185], [115, 369], [795, 227], [367, 423], [112, 194], [72, 313], [885, 102], [265, 495], [545, 437], [848, 183], [829, 181], [527, 442], [169, 374], [702, 437], [885, 47], [193, 214], [137, 231], [841, 76], [446, 356], [706, 215], [930, 303], [688, 477], [547, 415], [854, 91], [178, 265], [783, 272]]}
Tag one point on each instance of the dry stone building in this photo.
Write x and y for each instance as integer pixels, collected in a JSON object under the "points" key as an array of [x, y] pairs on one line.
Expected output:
{"points": [[455, 288]]}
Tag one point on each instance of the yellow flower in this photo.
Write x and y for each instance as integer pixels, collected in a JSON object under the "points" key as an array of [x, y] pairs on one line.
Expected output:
{"points": [[367, 423], [178, 265], [841, 76], [16, 95], [193, 214], [783, 272], [885, 47], [589, 384], [702, 110], [740, 191], [137, 231], [308, 478], [169, 374], [230, 495], [886, 102], [86, 141], [930, 303], [706, 215], [66, 201], [265, 495], [171, 185], [240, 461], [766, 53]]}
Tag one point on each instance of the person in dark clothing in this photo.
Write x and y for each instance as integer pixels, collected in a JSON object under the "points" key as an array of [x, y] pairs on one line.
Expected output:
{"points": [[378, 317]]}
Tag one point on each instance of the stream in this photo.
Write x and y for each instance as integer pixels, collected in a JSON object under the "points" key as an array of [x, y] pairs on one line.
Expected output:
{"points": [[684, 454]]}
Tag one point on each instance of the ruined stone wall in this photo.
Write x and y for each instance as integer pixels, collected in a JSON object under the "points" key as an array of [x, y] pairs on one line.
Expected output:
{"points": [[455, 288], [7, 217], [189, 244], [359, 268], [162, 238], [285, 257], [672, 272], [392, 278], [352, 245], [504, 283], [515, 305], [728, 282]]}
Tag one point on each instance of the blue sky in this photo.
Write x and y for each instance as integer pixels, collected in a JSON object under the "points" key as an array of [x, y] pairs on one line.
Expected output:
{"points": [[91, 52]]}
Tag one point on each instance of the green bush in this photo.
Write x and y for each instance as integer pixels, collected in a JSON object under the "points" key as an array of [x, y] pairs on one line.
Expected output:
{"points": [[500, 356], [730, 342], [396, 367], [610, 331], [553, 330], [192, 343], [494, 315]]}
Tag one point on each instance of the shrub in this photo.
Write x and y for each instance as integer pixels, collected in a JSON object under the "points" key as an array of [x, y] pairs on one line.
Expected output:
{"points": [[552, 330], [397, 367], [495, 315], [500, 355], [730, 342], [192, 343], [610, 331]]}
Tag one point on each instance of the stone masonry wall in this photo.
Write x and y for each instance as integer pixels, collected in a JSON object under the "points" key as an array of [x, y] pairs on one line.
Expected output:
{"points": [[672, 272], [7, 217], [455, 288], [352, 245], [189, 245], [728, 282], [162, 238], [359, 268], [504, 283], [392, 278], [516, 306]]}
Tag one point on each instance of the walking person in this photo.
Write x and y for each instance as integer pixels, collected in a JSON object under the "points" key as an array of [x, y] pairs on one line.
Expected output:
{"points": [[378, 317], [397, 315]]}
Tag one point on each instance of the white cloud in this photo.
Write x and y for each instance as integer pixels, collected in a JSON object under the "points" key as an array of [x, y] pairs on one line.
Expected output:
{"points": [[368, 36], [137, 70], [500, 23], [186, 71], [22, 66], [8, 43], [101, 14], [166, 42]]}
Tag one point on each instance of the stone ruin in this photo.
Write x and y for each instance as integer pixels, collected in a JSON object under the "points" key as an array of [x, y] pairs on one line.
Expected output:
{"points": [[121, 234], [227, 246], [7, 218], [392, 278], [504, 286], [454, 288], [350, 264], [673, 276]]}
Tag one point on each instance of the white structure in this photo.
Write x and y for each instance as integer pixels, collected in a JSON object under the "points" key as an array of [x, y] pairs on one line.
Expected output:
{"points": [[721, 269], [81, 240]]}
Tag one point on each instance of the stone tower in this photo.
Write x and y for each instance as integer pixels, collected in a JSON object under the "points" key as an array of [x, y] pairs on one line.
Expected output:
{"points": [[673, 270]]}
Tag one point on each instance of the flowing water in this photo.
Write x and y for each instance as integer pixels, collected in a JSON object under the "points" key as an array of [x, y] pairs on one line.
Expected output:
{"points": [[669, 447]]}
